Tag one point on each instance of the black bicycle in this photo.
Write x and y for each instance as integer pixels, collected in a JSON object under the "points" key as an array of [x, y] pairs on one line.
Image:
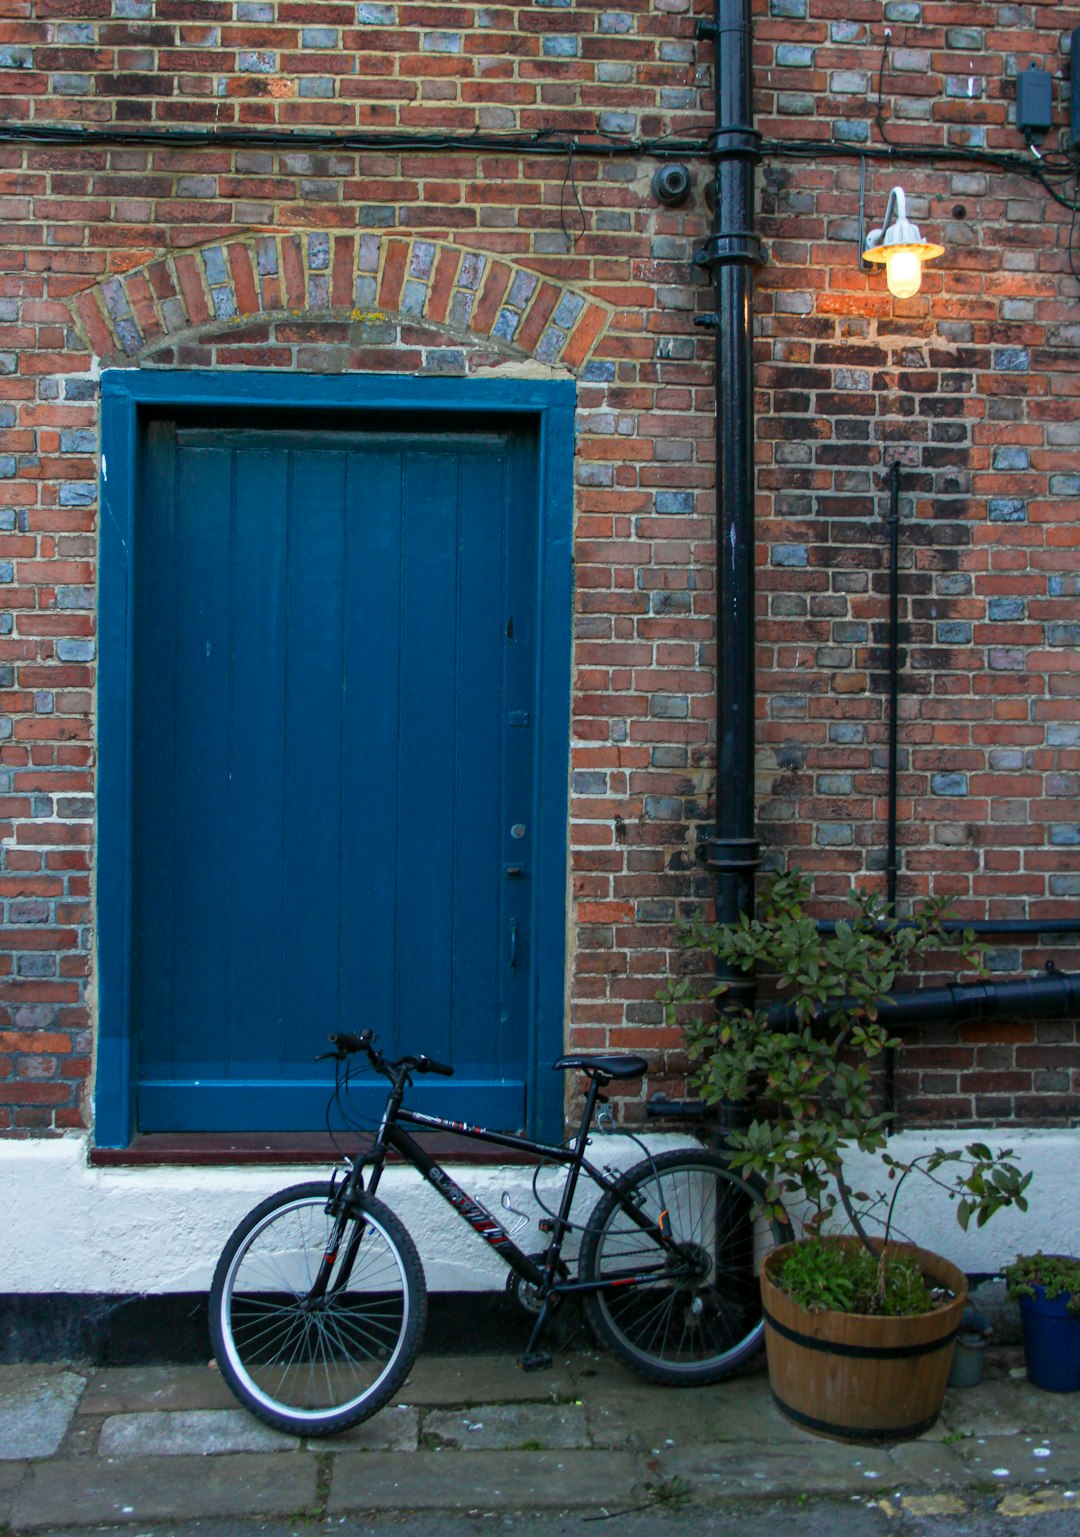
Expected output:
{"points": [[318, 1303]]}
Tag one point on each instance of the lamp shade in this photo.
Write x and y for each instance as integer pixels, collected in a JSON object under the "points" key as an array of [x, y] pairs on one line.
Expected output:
{"points": [[900, 247]]}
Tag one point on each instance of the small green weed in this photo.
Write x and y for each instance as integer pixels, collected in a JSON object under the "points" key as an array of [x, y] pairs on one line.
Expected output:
{"points": [[836, 1276], [673, 1493]]}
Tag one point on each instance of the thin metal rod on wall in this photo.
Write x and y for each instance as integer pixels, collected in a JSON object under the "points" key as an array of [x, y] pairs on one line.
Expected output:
{"points": [[891, 858]]}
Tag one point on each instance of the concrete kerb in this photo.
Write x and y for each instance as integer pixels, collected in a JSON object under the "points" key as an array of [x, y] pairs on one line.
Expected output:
{"points": [[87, 1447]]}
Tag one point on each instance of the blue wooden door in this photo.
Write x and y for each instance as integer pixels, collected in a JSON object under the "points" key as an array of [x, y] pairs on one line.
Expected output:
{"points": [[333, 764]]}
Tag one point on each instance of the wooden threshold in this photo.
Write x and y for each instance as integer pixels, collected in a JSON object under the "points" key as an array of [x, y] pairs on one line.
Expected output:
{"points": [[203, 1149]]}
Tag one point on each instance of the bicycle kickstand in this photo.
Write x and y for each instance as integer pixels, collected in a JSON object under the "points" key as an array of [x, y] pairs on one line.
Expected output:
{"points": [[533, 1359]]}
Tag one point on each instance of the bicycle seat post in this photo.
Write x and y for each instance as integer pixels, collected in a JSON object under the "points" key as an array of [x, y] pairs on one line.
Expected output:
{"points": [[597, 1081]]}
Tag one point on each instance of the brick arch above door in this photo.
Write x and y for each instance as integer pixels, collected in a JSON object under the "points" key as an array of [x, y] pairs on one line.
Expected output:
{"points": [[377, 288]]}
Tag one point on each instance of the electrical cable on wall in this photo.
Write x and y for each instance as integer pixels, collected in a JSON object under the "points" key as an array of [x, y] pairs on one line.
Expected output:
{"points": [[1048, 171]]}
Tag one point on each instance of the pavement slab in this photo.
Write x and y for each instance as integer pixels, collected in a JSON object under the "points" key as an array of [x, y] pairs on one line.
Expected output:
{"points": [[131, 1389], [11, 1476], [1023, 1459], [507, 1427], [737, 1409], [85, 1492], [484, 1480], [193, 1432], [444, 1381], [36, 1408], [396, 1429], [814, 1466], [926, 1463], [1005, 1406]]}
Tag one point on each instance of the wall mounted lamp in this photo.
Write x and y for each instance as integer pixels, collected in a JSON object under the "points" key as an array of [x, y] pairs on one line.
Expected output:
{"points": [[901, 247]]}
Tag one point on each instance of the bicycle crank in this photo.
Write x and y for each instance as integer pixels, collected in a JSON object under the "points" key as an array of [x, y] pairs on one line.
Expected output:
{"points": [[526, 1295]]}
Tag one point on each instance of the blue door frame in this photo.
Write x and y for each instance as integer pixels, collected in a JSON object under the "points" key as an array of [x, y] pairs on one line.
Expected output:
{"points": [[548, 406]]}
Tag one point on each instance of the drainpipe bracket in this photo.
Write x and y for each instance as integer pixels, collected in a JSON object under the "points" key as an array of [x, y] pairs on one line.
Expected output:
{"points": [[738, 995], [736, 140], [734, 854], [736, 245]]}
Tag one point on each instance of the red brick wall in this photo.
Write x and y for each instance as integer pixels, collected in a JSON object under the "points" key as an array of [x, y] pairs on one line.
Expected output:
{"points": [[143, 255]]}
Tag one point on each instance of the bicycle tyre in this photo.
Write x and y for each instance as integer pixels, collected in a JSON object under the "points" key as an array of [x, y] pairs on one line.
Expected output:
{"points": [[316, 1371], [682, 1331]]}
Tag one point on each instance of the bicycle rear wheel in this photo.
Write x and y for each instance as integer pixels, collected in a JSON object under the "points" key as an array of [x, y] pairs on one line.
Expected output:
{"points": [[307, 1363], [699, 1315]]}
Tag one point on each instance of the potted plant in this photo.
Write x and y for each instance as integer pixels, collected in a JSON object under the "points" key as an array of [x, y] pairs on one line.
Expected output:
{"points": [[1047, 1286], [859, 1329]]}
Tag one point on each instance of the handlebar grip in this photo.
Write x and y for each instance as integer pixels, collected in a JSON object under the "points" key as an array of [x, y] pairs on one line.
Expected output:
{"points": [[428, 1065], [346, 1043]]}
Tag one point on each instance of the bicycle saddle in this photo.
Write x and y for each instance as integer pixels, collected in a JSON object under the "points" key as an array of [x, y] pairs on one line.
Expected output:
{"points": [[606, 1067]]}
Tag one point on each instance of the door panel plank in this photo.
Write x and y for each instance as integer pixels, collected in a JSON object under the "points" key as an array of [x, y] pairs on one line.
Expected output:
{"points": [[481, 940], [310, 945], [426, 769], [370, 808], [256, 1022]]}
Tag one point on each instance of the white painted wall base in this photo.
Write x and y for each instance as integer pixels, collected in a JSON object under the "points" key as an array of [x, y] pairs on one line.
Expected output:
{"points": [[926, 1216], [72, 1228], [69, 1227]]}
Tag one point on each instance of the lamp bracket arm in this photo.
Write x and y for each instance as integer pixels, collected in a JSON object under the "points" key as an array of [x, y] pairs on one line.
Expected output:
{"points": [[896, 207]]}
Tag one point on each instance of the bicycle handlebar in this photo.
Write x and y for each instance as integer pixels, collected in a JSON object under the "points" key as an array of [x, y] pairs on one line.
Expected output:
{"points": [[429, 1065], [347, 1045]]}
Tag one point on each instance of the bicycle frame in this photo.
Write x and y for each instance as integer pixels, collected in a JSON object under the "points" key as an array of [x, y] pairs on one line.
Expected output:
{"points": [[391, 1135]]}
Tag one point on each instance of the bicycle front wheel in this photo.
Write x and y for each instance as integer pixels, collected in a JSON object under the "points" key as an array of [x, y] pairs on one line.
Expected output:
{"points": [[697, 1314], [309, 1357]]}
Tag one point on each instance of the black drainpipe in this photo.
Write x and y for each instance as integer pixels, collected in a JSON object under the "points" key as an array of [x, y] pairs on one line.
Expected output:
{"points": [[731, 252]]}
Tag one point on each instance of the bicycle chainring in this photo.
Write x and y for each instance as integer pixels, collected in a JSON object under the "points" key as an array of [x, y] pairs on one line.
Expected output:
{"points": [[525, 1295]]}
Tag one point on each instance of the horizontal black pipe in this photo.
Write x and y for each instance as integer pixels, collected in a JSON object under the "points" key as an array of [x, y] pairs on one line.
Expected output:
{"points": [[1047, 997], [981, 925]]}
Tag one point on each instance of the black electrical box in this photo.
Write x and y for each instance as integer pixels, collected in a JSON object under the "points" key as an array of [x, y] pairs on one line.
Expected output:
{"points": [[1074, 76], [1034, 102]]}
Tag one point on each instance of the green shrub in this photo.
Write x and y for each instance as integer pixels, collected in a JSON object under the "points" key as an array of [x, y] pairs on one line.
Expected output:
{"points": [[810, 1075]]}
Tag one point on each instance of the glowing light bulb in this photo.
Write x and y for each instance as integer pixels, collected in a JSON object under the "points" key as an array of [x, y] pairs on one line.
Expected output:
{"points": [[903, 272]]}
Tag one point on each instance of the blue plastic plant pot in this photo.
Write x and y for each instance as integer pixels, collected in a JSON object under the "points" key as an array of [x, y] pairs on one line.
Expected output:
{"points": [[1051, 1342]]}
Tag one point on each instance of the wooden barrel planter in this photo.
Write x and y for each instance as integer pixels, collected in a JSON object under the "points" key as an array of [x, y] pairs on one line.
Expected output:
{"points": [[856, 1376]]}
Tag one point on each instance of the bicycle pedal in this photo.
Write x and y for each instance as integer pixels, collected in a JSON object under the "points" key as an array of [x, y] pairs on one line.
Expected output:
{"points": [[534, 1361]]}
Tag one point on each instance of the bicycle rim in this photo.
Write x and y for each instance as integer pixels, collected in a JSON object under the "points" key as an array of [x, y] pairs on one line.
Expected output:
{"points": [[328, 1361], [701, 1315]]}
